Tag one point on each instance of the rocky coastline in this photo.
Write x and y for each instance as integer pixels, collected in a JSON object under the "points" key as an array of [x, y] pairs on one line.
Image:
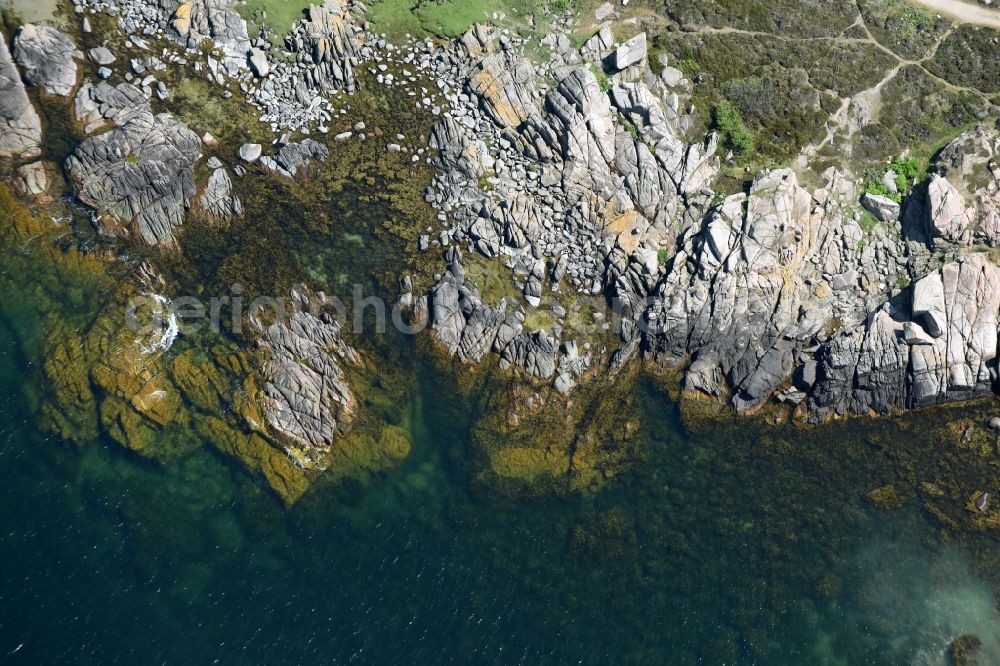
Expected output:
{"points": [[580, 179]]}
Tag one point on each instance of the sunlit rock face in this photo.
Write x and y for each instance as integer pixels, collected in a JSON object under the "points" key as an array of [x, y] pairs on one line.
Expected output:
{"points": [[20, 127]]}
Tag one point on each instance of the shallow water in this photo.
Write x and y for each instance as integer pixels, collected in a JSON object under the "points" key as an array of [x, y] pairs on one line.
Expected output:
{"points": [[731, 547]]}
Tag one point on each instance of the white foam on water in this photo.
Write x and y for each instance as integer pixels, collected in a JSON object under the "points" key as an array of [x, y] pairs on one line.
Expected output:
{"points": [[169, 333]]}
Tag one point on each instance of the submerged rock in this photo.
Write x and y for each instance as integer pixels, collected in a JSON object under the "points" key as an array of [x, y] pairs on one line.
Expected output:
{"points": [[32, 179], [218, 199], [306, 392]]}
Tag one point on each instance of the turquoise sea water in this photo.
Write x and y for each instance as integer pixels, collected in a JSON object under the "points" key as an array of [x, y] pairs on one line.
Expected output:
{"points": [[743, 545]]}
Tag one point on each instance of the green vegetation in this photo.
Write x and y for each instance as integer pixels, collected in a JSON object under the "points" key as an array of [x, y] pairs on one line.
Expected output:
{"points": [[632, 130], [968, 57], [874, 185], [925, 115], [131, 159], [603, 80], [781, 108], [395, 18], [736, 137], [801, 18], [278, 15], [451, 18], [484, 183], [907, 170], [867, 223], [784, 89], [907, 29]]}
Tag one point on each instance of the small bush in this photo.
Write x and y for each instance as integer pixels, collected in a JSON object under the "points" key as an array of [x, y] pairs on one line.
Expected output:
{"points": [[874, 185], [728, 122], [907, 170]]}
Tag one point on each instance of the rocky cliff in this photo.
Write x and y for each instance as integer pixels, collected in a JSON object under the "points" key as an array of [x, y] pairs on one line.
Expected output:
{"points": [[775, 293]]}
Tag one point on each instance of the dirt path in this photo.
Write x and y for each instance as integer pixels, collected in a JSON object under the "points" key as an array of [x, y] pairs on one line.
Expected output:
{"points": [[967, 12]]}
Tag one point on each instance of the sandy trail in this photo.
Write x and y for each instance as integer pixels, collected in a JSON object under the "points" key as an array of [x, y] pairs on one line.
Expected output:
{"points": [[966, 12]]}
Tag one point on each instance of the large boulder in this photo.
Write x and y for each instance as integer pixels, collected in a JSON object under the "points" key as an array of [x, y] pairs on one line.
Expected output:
{"points": [[47, 57], [631, 52], [587, 124], [950, 219], [138, 175], [259, 63], [249, 152], [882, 207], [504, 83], [32, 179], [20, 127], [306, 392], [218, 199], [928, 304]]}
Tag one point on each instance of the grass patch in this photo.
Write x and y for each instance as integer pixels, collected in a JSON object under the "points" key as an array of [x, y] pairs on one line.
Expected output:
{"points": [[395, 18], [450, 18], [484, 183], [867, 223], [275, 14]]}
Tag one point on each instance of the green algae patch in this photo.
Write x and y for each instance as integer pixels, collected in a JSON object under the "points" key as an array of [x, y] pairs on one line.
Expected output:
{"points": [[259, 457], [886, 497], [395, 443], [53, 292], [101, 377], [534, 442], [70, 410], [527, 464]]}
